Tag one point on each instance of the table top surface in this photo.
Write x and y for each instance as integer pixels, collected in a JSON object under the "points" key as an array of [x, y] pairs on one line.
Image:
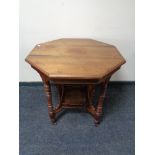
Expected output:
{"points": [[75, 58]]}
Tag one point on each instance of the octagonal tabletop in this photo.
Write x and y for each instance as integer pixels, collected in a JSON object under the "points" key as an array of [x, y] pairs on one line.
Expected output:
{"points": [[75, 59]]}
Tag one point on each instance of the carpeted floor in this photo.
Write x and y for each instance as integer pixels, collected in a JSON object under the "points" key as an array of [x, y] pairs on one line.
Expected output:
{"points": [[75, 133]]}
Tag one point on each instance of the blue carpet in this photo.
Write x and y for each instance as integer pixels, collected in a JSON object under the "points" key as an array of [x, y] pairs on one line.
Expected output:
{"points": [[75, 133]]}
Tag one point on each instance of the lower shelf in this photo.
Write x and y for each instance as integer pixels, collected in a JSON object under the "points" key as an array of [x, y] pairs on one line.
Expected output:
{"points": [[74, 96]]}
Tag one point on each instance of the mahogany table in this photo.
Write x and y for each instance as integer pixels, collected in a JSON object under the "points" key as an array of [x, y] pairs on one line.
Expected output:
{"points": [[75, 66]]}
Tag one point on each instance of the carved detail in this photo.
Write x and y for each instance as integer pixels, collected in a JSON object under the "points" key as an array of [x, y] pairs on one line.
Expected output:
{"points": [[48, 94]]}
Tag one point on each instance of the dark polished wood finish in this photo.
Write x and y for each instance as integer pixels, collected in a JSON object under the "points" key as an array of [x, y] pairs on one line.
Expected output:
{"points": [[75, 66]]}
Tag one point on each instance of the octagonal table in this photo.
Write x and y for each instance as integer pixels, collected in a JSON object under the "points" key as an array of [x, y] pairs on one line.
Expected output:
{"points": [[75, 66]]}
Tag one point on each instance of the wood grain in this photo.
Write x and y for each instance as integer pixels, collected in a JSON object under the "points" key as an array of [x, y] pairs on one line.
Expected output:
{"points": [[75, 59]]}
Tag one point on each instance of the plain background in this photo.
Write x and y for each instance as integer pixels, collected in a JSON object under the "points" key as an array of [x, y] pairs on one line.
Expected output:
{"points": [[110, 21]]}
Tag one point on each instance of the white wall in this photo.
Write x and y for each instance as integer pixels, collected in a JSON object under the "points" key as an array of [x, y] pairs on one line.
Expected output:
{"points": [[110, 21]]}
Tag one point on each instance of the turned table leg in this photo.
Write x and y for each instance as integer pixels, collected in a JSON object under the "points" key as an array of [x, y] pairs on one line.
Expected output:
{"points": [[48, 92], [99, 107], [47, 88]]}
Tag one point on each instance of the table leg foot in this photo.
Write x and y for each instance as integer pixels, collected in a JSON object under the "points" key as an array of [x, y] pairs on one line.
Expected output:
{"points": [[53, 118], [53, 121], [97, 122]]}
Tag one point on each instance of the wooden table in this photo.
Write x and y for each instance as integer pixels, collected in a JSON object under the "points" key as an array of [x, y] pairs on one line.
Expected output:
{"points": [[76, 66]]}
